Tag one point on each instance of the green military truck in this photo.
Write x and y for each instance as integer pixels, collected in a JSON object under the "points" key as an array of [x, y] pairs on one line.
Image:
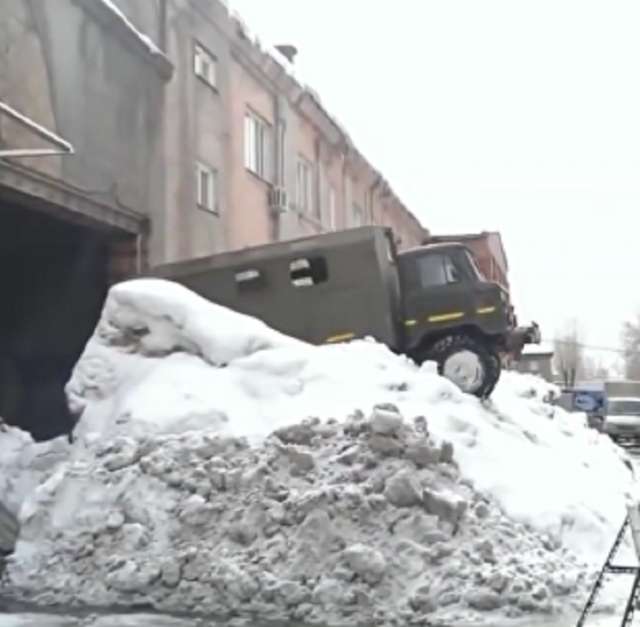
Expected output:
{"points": [[430, 303]]}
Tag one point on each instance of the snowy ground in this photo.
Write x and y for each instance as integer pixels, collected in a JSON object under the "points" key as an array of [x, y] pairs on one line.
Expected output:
{"points": [[223, 467]]}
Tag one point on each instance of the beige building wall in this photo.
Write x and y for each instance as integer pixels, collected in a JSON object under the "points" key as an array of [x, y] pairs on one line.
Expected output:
{"points": [[197, 124], [208, 126], [250, 220]]}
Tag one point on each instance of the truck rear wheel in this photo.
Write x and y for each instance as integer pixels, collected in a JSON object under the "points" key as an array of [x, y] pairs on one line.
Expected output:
{"points": [[468, 363]]}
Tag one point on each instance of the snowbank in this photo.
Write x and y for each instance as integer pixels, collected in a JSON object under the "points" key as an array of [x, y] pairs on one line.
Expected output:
{"points": [[367, 479], [23, 464]]}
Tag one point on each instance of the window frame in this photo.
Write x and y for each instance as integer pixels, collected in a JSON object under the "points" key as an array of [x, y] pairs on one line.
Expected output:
{"points": [[202, 53], [304, 167], [443, 261], [256, 144], [308, 271], [211, 188]]}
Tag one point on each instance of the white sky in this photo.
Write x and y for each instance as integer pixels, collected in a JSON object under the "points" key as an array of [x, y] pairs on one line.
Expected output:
{"points": [[520, 116]]}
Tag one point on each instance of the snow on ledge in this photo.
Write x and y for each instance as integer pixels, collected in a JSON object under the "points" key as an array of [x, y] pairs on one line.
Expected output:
{"points": [[145, 39]]}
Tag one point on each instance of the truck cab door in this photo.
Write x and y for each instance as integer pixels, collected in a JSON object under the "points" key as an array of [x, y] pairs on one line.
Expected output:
{"points": [[436, 293]]}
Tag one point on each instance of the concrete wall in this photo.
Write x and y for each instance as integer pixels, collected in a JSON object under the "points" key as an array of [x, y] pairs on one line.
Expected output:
{"points": [[251, 222], [198, 128], [67, 67]]}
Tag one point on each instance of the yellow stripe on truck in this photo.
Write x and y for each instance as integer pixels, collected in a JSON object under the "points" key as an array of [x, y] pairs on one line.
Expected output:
{"points": [[341, 337], [486, 310], [454, 315]]}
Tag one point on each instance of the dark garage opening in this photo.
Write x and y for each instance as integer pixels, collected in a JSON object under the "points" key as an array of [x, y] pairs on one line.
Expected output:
{"points": [[53, 281]]}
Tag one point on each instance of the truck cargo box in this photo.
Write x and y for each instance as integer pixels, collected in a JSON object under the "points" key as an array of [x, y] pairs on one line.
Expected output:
{"points": [[322, 289]]}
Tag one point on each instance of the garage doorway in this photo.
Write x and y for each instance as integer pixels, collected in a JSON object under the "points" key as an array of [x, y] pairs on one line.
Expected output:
{"points": [[54, 276]]}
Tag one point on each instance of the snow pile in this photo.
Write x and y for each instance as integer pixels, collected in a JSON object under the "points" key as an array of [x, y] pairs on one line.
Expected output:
{"points": [[365, 519], [24, 464], [223, 467]]}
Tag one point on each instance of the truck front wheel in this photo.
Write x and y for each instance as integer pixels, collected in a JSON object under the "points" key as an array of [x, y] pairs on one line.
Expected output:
{"points": [[467, 362]]}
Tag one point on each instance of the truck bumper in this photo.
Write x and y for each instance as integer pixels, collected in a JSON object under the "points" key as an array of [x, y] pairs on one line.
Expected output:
{"points": [[518, 337]]}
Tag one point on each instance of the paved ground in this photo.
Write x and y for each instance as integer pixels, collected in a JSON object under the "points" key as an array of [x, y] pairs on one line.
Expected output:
{"points": [[142, 620]]}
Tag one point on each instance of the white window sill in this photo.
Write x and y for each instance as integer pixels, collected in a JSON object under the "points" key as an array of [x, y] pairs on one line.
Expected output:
{"points": [[212, 211]]}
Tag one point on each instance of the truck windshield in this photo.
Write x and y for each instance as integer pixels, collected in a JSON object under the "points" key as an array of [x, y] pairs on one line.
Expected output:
{"points": [[474, 267], [624, 407]]}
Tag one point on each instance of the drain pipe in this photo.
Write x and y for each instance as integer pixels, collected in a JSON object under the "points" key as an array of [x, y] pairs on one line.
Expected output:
{"points": [[139, 254], [279, 166], [162, 30]]}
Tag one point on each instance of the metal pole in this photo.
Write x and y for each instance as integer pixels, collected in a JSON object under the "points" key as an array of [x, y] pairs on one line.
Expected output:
{"points": [[64, 146], [31, 152]]}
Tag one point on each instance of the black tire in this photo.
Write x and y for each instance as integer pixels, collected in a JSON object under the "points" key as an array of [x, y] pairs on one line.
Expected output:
{"points": [[490, 360]]}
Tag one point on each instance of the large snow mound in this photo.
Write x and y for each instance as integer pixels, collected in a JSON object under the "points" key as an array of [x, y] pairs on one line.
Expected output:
{"points": [[223, 466]]}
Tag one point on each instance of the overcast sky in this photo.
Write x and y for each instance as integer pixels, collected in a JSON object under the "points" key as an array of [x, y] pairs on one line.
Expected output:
{"points": [[519, 116]]}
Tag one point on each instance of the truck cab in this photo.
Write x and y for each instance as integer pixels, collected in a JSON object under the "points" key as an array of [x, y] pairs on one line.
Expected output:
{"points": [[454, 316]]}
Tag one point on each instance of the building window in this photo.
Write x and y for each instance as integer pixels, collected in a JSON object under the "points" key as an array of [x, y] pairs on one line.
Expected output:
{"points": [[303, 185], [256, 145], [206, 186], [205, 66]]}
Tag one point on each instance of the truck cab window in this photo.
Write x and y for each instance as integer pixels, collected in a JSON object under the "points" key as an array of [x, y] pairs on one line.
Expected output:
{"points": [[474, 267], [435, 270], [451, 272]]}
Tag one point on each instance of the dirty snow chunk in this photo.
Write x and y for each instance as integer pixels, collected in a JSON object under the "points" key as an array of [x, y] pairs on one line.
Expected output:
{"points": [[385, 420], [115, 521], [484, 599], [446, 453], [195, 511], [132, 577], [329, 592], [481, 511], [402, 490], [121, 453], [296, 434], [444, 504], [385, 445], [423, 454], [366, 562], [301, 461]]}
